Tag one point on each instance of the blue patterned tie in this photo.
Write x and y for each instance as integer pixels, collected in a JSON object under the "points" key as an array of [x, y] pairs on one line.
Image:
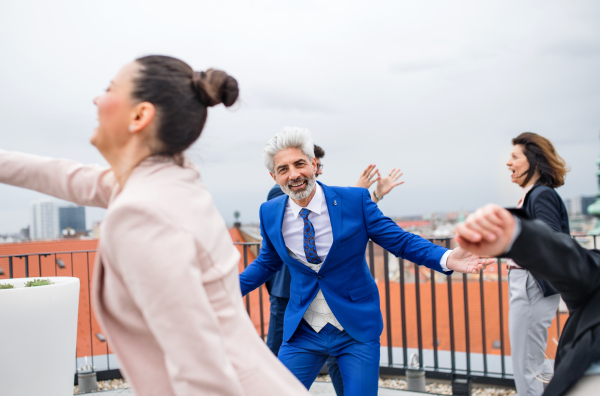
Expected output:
{"points": [[310, 249]]}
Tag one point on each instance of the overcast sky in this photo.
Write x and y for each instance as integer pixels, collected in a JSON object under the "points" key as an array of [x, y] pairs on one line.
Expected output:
{"points": [[437, 88]]}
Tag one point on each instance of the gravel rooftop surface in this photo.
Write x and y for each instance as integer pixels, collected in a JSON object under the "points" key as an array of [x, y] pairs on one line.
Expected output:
{"points": [[440, 389], [107, 385], [392, 383]]}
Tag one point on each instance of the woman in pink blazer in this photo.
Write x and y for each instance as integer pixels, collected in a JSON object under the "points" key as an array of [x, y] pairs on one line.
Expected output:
{"points": [[165, 286]]}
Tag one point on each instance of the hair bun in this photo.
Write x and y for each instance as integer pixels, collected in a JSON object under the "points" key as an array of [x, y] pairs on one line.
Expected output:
{"points": [[214, 87]]}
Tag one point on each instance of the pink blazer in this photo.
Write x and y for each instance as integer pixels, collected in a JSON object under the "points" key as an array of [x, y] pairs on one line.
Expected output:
{"points": [[165, 286]]}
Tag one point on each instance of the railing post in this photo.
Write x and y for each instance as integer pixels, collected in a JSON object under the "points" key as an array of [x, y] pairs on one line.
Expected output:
{"points": [[260, 308], [26, 266], [558, 323], [244, 248], [387, 307], [501, 317], [483, 337], [89, 306], [451, 319], [418, 301], [434, 322], [10, 267], [403, 314], [467, 328]]}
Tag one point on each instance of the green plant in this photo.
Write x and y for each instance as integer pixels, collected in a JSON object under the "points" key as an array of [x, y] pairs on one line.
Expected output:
{"points": [[38, 282], [6, 286]]}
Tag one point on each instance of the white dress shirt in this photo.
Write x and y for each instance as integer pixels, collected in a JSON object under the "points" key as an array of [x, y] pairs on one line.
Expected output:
{"points": [[293, 225], [318, 313]]}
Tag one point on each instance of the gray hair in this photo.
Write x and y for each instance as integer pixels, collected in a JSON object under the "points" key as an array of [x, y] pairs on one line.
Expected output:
{"points": [[290, 137]]}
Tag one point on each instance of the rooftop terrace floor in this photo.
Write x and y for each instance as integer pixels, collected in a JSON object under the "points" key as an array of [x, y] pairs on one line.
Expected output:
{"points": [[318, 388]]}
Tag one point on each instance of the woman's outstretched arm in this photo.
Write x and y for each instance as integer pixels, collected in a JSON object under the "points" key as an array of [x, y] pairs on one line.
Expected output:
{"points": [[87, 185]]}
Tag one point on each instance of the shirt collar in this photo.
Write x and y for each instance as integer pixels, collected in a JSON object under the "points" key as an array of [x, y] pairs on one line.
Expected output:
{"points": [[522, 200], [315, 204]]}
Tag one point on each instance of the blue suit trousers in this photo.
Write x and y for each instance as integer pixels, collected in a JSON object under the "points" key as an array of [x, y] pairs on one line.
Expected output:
{"points": [[275, 339], [306, 352]]}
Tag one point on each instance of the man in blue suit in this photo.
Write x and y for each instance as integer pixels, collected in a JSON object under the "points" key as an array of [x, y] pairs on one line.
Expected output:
{"points": [[321, 234], [279, 285], [279, 292], [279, 296]]}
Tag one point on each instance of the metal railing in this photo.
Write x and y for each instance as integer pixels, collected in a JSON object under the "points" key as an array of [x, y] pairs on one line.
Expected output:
{"points": [[442, 360], [466, 310]]}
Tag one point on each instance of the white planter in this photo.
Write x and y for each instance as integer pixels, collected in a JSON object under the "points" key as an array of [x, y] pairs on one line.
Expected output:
{"points": [[38, 337]]}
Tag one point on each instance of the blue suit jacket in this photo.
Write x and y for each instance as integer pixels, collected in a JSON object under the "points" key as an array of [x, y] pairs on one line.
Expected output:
{"points": [[344, 277], [279, 284]]}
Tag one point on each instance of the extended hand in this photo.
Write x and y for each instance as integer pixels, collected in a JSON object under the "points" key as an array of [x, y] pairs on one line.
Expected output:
{"points": [[487, 232], [386, 183], [462, 261], [368, 177]]}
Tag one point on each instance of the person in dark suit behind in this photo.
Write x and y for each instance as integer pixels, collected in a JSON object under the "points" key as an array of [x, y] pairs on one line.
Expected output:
{"points": [[569, 268], [279, 285]]}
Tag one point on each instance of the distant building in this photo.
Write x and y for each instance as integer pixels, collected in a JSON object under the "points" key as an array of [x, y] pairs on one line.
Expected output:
{"points": [[72, 218], [48, 220], [579, 205], [24, 234], [44, 220], [585, 202]]}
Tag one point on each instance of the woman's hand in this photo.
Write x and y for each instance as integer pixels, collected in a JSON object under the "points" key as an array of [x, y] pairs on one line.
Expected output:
{"points": [[369, 176]]}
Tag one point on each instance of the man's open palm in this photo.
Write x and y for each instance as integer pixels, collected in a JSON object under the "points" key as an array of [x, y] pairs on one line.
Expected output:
{"points": [[461, 260]]}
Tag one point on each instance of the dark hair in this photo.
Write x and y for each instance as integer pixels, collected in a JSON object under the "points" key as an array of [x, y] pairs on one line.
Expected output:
{"points": [[319, 152], [542, 156], [180, 96]]}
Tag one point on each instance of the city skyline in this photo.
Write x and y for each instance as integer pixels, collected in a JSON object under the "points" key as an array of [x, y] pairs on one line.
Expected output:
{"points": [[49, 218]]}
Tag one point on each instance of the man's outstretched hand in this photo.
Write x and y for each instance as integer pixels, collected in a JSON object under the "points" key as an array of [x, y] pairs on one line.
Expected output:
{"points": [[461, 260], [487, 232]]}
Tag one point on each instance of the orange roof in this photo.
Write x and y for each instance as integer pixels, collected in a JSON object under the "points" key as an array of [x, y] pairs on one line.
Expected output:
{"points": [[414, 223]]}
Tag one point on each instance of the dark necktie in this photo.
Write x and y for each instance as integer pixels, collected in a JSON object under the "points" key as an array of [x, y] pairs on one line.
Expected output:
{"points": [[310, 249]]}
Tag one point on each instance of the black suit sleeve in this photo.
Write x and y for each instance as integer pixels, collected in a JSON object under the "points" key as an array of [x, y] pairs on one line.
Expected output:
{"points": [[555, 257]]}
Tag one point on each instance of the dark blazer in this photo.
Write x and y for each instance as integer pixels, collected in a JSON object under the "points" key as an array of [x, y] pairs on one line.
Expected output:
{"points": [[543, 203], [344, 277], [575, 273], [279, 284]]}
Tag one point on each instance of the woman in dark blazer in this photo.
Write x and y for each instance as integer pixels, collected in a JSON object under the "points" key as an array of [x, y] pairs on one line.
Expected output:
{"points": [[538, 169]]}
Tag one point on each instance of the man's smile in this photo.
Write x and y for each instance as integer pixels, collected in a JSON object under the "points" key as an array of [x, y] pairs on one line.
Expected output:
{"points": [[298, 185]]}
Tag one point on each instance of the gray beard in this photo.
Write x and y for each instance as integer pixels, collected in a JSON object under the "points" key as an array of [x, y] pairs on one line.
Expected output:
{"points": [[298, 195]]}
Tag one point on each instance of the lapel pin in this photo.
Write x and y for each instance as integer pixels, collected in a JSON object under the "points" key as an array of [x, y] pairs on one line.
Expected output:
{"points": [[334, 203]]}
